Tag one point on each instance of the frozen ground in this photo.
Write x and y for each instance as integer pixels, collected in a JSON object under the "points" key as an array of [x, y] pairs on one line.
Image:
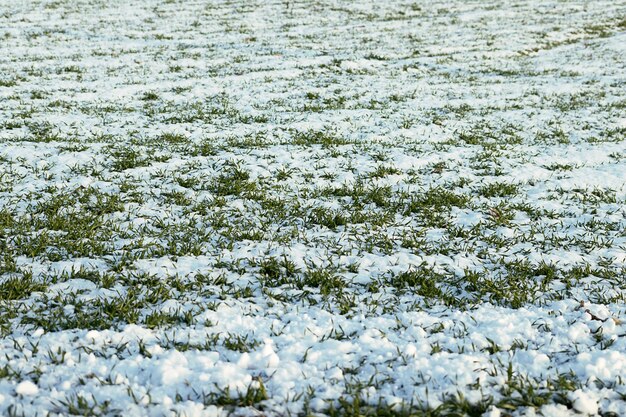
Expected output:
{"points": [[297, 207]]}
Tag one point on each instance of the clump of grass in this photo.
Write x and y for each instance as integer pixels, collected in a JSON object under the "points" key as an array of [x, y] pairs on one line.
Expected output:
{"points": [[172, 138], [149, 96], [324, 138], [127, 157], [435, 198], [499, 189], [20, 287], [233, 181]]}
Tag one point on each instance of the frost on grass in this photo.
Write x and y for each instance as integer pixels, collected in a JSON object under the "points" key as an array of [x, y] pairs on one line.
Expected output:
{"points": [[300, 207]]}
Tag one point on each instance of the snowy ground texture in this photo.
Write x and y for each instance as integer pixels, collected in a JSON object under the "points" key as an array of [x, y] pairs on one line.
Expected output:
{"points": [[324, 207]]}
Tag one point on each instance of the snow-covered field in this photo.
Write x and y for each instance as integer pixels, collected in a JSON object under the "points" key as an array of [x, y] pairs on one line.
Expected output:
{"points": [[273, 208]]}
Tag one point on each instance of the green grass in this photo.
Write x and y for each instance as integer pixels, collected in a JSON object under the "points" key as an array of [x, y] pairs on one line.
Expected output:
{"points": [[376, 178]]}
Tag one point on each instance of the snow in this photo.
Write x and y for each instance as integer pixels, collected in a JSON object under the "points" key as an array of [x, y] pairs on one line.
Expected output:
{"points": [[584, 403], [452, 95], [26, 388]]}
